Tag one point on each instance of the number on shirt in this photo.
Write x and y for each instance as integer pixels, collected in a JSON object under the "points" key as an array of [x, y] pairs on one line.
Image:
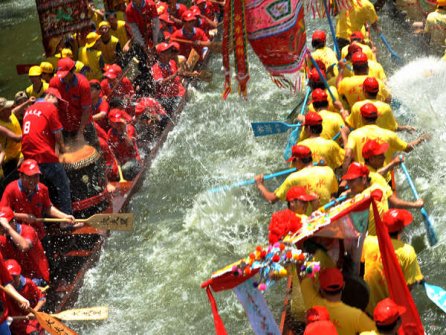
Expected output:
{"points": [[26, 127]]}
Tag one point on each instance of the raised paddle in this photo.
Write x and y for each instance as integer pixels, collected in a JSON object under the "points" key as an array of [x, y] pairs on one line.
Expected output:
{"points": [[49, 323], [393, 53], [431, 234], [79, 314], [252, 181], [111, 221]]}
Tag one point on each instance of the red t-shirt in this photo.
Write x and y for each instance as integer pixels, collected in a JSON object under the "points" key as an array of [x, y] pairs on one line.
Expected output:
{"points": [[5, 279], [40, 123], [142, 17], [102, 106], [123, 150], [33, 262], [197, 35], [177, 13], [78, 96], [174, 88], [111, 166], [31, 292], [37, 204], [123, 90]]}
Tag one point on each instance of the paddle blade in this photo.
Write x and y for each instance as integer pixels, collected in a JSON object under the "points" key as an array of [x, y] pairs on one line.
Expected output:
{"points": [[270, 128], [113, 221], [83, 314], [52, 325], [431, 234], [437, 295]]}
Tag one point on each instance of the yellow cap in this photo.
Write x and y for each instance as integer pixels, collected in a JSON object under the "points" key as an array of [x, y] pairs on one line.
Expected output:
{"points": [[104, 24], [91, 39], [441, 3], [66, 53], [35, 71], [46, 67]]}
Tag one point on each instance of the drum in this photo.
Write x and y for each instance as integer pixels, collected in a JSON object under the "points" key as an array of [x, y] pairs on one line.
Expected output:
{"points": [[86, 170]]}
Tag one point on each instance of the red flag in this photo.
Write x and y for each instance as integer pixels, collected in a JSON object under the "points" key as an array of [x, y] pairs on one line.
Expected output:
{"points": [[218, 322]]}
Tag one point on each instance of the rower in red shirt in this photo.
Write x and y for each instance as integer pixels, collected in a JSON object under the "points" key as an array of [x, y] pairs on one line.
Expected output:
{"points": [[150, 120], [165, 73], [122, 141], [206, 16], [175, 11], [42, 129], [191, 33], [113, 86], [29, 290], [142, 18], [6, 282], [30, 199], [167, 27], [20, 242], [100, 105]]}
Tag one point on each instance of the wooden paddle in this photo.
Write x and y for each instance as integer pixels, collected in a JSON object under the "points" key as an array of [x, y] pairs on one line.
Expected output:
{"points": [[111, 221], [79, 314], [212, 45], [49, 323]]}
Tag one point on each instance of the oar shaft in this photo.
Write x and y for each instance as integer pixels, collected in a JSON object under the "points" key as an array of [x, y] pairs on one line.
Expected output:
{"points": [[334, 202], [322, 77], [333, 34]]}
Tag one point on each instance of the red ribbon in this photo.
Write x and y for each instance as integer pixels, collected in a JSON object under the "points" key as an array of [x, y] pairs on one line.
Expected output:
{"points": [[218, 322]]}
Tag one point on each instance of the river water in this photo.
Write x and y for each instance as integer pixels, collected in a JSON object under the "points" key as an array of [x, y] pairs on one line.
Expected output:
{"points": [[151, 278]]}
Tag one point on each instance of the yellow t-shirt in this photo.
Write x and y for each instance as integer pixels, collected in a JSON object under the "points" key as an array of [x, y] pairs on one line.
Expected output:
{"points": [[348, 21], [120, 33], [370, 333], [365, 49], [350, 88], [91, 58], [31, 93], [358, 137], [374, 272], [330, 107], [436, 27], [109, 50], [385, 120], [327, 150], [317, 179], [12, 149], [326, 55], [348, 320], [331, 125]]}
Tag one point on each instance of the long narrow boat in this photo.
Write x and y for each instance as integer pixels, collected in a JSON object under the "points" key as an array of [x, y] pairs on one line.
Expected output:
{"points": [[79, 250]]}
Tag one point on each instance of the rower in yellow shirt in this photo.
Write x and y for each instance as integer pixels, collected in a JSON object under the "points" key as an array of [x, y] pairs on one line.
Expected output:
{"points": [[109, 46], [91, 56], [350, 88], [348, 320], [370, 131], [354, 19], [319, 180], [435, 27], [358, 38], [387, 317], [117, 28], [321, 51], [314, 82], [374, 68], [38, 86], [395, 220], [331, 122], [324, 150]]}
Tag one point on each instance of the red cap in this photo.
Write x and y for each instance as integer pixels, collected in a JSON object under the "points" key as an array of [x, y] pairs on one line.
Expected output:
{"points": [[161, 47], [374, 148], [55, 92], [299, 151], [148, 103], [353, 48], [321, 65], [397, 219], [188, 16], [369, 111], [118, 116], [13, 267], [321, 327], [317, 313], [313, 75], [359, 58], [29, 167], [387, 312], [111, 73], [175, 45], [165, 18], [195, 10], [64, 66], [312, 119], [319, 35], [319, 95], [356, 170], [331, 279], [6, 213], [371, 85], [356, 36], [200, 1], [299, 193], [117, 69], [283, 222]]}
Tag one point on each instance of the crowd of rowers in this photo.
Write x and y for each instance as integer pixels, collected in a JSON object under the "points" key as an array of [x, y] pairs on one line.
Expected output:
{"points": [[79, 94], [360, 161]]}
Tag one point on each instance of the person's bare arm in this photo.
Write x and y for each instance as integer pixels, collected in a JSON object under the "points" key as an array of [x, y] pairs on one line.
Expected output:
{"points": [[266, 194]]}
